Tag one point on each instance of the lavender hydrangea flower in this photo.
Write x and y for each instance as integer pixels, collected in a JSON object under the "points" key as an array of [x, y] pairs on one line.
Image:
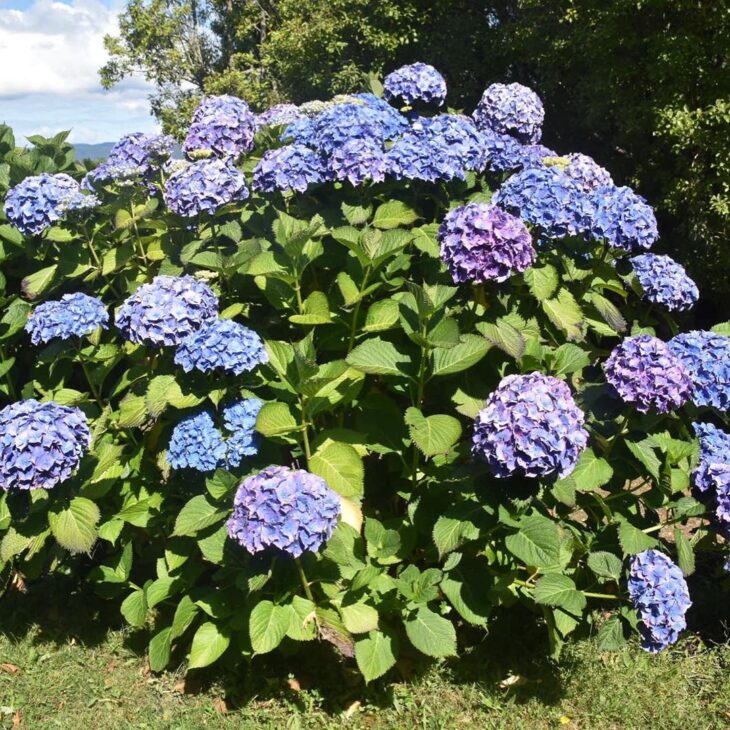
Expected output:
{"points": [[221, 344], [167, 310], [278, 115], [240, 420], [586, 172], [196, 444], [39, 201], [287, 509], [357, 161], [294, 167], [645, 372], [719, 476], [623, 218], [714, 449], [73, 315], [660, 595], [664, 281], [530, 426], [706, 355], [481, 243], [547, 198], [203, 187], [511, 109], [416, 82], [222, 126], [41, 444]]}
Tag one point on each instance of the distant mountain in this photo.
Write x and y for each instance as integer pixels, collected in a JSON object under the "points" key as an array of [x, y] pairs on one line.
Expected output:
{"points": [[93, 151]]}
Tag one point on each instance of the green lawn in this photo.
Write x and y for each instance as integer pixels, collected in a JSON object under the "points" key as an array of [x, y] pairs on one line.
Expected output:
{"points": [[61, 666]]}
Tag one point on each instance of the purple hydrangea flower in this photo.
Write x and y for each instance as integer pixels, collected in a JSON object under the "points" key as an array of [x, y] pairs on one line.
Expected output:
{"points": [[714, 449], [664, 281], [547, 198], [706, 355], [203, 187], [511, 109], [41, 444], [530, 426], [358, 160], [506, 154], [659, 592], [586, 172], [222, 126], [645, 372], [278, 115], [39, 201], [196, 444], [623, 218], [167, 310], [73, 315], [416, 82], [294, 167], [221, 344], [240, 420], [481, 243], [719, 476], [288, 509]]}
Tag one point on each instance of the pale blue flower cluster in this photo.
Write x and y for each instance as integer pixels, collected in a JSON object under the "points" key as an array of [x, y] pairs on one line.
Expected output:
{"points": [[294, 167], [222, 126], [279, 115], [415, 83], [511, 109], [240, 421], [664, 281], [706, 355], [73, 315]]}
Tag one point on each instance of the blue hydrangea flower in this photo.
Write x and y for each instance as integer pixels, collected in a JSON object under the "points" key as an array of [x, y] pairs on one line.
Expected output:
{"points": [[73, 315], [287, 509], [481, 243], [41, 444], [196, 444], [586, 172], [664, 281], [221, 344], [203, 187], [167, 310], [511, 109], [547, 198], [39, 201], [660, 595], [719, 475], [706, 356], [714, 449], [506, 154], [416, 82], [294, 167], [222, 126], [278, 115], [530, 426], [646, 373], [240, 421], [623, 218], [357, 161]]}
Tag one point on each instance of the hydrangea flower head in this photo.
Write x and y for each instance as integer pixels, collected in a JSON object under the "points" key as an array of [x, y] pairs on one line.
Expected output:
{"points": [[278, 115], [41, 444], [222, 126], [416, 82], [664, 281], [586, 172], [357, 161], [623, 218], [167, 310], [196, 444], [294, 167], [706, 355], [203, 187], [506, 154], [645, 372], [221, 344], [240, 420], [511, 109], [73, 315], [660, 595], [714, 449], [482, 242], [530, 426], [291, 510]]}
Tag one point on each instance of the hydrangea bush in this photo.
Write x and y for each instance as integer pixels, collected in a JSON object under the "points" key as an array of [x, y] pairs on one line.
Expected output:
{"points": [[362, 374]]}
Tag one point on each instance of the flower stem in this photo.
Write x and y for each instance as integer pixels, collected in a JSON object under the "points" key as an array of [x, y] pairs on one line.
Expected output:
{"points": [[94, 390], [303, 579]]}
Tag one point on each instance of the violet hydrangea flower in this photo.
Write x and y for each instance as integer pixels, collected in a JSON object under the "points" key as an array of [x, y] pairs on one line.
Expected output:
{"points": [[294, 167], [482, 242], [278, 115], [167, 310], [665, 281], [714, 449], [511, 109], [221, 344], [706, 355], [73, 315], [415, 82], [646, 373], [41, 444], [587, 172], [660, 595], [506, 154], [222, 126], [623, 218], [530, 426], [357, 161], [240, 421], [196, 444], [291, 510]]}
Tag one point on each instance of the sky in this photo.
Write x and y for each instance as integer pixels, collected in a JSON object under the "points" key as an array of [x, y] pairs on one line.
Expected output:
{"points": [[50, 53]]}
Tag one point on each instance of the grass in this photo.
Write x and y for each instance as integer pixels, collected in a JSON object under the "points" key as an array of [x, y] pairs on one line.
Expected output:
{"points": [[62, 666]]}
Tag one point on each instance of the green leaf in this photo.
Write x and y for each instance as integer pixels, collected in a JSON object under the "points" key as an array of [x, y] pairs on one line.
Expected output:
{"points": [[382, 315], [537, 543], [504, 336], [35, 284], [185, 612], [605, 565], [209, 643], [378, 357], [644, 452], [565, 313], [197, 514], [159, 650], [611, 635], [302, 623], [608, 311], [685, 553], [433, 434], [591, 472], [359, 618], [450, 533], [468, 352], [633, 540], [315, 310], [340, 466], [568, 359], [431, 634], [542, 281], [75, 526], [134, 608], [267, 626], [164, 390], [393, 214], [275, 419], [555, 589], [375, 654], [356, 215]]}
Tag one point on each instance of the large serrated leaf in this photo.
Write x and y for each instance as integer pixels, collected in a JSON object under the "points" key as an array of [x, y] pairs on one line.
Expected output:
{"points": [[537, 543], [196, 515], [542, 281], [267, 625], [504, 336], [375, 654], [340, 466], [555, 589], [468, 352], [432, 434], [393, 214], [565, 313], [209, 643], [431, 634], [275, 419], [378, 357], [75, 526]]}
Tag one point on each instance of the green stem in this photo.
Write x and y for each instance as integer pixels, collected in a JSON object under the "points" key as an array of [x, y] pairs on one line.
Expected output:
{"points": [[303, 579], [356, 310], [305, 432], [620, 432], [137, 238], [8, 378], [609, 596], [417, 404], [94, 390]]}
